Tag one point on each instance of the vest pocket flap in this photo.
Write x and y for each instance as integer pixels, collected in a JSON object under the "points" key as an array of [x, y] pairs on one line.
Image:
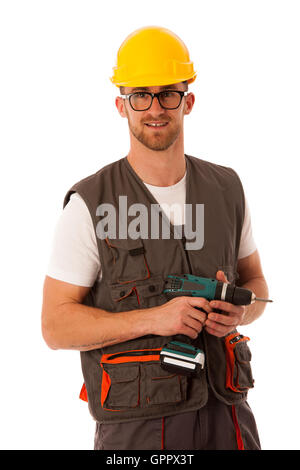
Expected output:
{"points": [[121, 291], [242, 352], [123, 373], [134, 247], [138, 290], [153, 286]]}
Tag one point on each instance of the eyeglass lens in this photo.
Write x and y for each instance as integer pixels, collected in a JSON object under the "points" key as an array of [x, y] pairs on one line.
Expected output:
{"points": [[167, 99]]}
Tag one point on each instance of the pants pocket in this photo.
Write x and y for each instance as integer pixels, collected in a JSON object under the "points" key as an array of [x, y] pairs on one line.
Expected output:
{"points": [[238, 368], [135, 379]]}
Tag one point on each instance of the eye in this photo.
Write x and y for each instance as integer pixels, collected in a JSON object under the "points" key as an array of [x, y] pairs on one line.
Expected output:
{"points": [[167, 94], [140, 94]]}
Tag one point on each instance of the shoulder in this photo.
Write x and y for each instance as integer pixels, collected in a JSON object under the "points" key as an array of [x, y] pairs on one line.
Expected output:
{"points": [[208, 167], [91, 183], [213, 170], [103, 172]]}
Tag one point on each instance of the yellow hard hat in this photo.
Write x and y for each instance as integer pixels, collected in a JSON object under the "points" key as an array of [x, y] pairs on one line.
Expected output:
{"points": [[152, 56]]}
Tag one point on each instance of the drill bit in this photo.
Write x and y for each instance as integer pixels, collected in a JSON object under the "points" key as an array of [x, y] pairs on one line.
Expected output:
{"points": [[254, 299]]}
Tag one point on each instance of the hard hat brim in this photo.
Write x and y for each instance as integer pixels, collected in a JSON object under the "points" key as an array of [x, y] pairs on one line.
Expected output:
{"points": [[154, 80]]}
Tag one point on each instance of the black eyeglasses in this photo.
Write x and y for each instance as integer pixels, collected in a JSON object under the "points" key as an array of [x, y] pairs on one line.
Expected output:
{"points": [[142, 100]]}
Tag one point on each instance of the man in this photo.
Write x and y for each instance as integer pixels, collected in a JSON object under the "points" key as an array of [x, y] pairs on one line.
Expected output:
{"points": [[104, 289]]}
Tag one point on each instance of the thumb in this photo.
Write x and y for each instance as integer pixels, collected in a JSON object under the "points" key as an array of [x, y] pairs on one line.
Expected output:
{"points": [[220, 276]]}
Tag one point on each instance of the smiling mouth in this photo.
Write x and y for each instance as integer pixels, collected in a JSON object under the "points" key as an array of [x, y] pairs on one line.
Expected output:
{"points": [[156, 125]]}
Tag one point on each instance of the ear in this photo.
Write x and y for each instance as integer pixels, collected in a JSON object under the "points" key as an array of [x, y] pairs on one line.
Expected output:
{"points": [[189, 103], [120, 104]]}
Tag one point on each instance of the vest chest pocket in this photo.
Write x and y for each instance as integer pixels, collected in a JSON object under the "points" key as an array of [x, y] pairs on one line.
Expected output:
{"points": [[134, 379], [145, 293], [126, 260], [238, 356]]}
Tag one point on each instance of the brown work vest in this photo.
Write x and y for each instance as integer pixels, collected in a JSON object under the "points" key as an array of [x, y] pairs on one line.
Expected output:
{"points": [[125, 381]]}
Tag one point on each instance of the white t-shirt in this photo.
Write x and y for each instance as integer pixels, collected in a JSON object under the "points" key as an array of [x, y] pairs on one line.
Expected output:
{"points": [[74, 257]]}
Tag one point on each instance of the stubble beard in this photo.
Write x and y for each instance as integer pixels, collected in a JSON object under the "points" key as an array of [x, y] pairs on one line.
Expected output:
{"points": [[158, 140]]}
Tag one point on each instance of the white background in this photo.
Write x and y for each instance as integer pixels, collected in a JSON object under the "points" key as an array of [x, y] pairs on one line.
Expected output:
{"points": [[59, 124]]}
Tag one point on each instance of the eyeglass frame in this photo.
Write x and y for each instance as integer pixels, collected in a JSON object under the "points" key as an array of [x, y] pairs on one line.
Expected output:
{"points": [[153, 95]]}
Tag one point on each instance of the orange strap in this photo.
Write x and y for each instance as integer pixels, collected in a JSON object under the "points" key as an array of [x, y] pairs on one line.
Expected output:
{"points": [[238, 433], [163, 434]]}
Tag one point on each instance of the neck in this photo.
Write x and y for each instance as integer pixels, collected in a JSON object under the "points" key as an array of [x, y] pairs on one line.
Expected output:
{"points": [[159, 168]]}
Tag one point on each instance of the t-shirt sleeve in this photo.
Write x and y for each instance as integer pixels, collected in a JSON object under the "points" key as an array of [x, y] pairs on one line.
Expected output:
{"points": [[247, 243], [74, 256]]}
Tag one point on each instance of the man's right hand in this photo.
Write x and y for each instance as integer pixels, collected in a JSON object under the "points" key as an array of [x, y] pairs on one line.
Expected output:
{"points": [[179, 316], [69, 324]]}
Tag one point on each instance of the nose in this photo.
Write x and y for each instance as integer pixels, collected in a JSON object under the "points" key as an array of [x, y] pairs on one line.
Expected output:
{"points": [[155, 106]]}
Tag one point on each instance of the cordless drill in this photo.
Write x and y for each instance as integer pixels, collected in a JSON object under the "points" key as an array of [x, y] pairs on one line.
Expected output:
{"points": [[178, 355]]}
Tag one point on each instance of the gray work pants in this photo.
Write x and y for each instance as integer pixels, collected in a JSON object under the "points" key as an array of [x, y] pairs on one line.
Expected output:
{"points": [[216, 426]]}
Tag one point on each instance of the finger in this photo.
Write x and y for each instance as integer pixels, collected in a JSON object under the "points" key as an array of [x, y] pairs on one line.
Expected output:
{"points": [[195, 324], [223, 319], [198, 315], [227, 307], [218, 327], [191, 332], [220, 276], [199, 302]]}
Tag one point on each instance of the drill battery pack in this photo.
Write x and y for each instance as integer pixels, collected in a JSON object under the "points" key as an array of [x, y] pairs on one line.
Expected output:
{"points": [[181, 358]]}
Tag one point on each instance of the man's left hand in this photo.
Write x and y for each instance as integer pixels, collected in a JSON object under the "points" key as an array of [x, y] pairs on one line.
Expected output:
{"points": [[219, 324]]}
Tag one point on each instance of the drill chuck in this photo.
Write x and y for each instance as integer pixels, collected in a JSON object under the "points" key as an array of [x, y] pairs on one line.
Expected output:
{"points": [[233, 294]]}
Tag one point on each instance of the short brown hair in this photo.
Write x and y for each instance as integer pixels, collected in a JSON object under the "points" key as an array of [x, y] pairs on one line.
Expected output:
{"points": [[122, 88]]}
